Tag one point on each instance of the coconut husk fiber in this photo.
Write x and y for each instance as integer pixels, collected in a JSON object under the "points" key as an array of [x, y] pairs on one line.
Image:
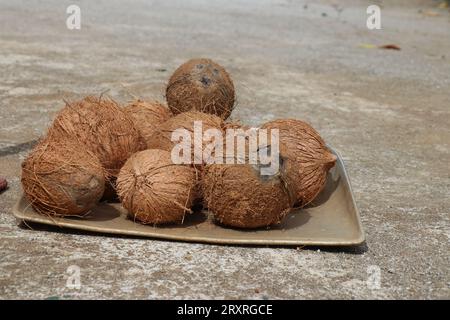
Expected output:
{"points": [[102, 126], [306, 159], [239, 197], [237, 131], [202, 85], [161, 139], [154, 190], [147, 117], [62, 178]]}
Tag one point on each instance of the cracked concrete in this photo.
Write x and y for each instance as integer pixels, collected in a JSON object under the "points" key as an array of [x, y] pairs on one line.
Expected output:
{"points": [[386, 111]]}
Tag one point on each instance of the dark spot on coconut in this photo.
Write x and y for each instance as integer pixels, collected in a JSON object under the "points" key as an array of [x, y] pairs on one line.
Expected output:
{"points": [[200, 66], [281, 162], [205, 80]]}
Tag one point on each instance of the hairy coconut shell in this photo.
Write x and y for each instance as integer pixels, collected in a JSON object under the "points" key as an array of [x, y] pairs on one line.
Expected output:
{"points": [[62, 178], [161, 139], [147, 117], [238, 196], [154, 190], [102, 126], [238, 131], [202, 85], [306, 159]]}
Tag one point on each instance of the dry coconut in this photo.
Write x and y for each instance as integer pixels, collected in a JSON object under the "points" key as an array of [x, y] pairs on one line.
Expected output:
{"points": [[238, 196], [154, 190], [62, 178], [305, 158], [202, 85], [147, 116], [103, 127], [162, 139]]}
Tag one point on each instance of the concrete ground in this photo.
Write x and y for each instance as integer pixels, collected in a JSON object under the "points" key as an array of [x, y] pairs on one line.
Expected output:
{"points": [[386, 111]]}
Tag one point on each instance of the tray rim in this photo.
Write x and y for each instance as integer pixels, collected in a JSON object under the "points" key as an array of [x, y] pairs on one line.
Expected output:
{"points": [[67, 224]]}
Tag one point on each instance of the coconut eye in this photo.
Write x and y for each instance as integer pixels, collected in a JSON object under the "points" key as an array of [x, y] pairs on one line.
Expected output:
{"points": [[200, 66], [205, 80], [216, 72]]}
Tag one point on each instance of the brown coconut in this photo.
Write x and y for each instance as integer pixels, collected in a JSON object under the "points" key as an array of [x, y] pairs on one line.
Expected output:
{"points": [[154, 190], [238, 196], [161, 139], [202, 85], [305, 157], [238, 131], [103, 127], [147, 116], [62, 178]]}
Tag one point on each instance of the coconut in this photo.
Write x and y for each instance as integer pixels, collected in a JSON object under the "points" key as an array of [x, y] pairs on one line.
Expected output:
{"points": [[162, 139], [103, 127], [236, 131], [62, 178], [306, 159], [203, 85], [238, 196], [147, 116], [154, 190]]}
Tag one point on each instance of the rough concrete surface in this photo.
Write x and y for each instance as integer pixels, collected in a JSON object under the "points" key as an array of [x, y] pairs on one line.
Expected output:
{"points": [[386, 111]]}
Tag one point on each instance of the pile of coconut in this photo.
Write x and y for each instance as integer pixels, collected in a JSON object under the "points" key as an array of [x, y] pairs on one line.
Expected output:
{"points": [[97, 150]]}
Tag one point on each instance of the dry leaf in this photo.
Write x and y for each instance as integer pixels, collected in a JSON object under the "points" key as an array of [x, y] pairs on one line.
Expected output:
{"points": [[390, 47]]}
